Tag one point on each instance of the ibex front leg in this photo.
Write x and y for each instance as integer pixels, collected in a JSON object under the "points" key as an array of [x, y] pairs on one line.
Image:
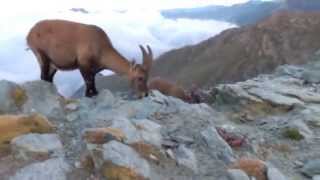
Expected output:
{"points": [[88, 77], [44, 63]]}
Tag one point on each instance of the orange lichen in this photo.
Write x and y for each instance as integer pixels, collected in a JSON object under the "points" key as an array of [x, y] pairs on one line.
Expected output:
{"points": [[147, 151], [103, 135], [19, 96], [113, 172], [12, 126], [253, 167]]}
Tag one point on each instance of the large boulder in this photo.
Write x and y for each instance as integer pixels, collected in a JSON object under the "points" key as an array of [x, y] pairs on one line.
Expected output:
{"points": [[36, 146], [119, 161], [312, 168], [12, 97], [219, 148], [43, 98], [52, 169]]}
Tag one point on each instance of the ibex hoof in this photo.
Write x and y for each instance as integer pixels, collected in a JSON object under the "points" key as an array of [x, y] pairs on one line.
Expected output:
{"points": [[91, 94]]}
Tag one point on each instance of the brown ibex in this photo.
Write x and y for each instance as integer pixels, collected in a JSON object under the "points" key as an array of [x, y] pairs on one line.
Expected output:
{"points": [[66, 45], [169, 89]]}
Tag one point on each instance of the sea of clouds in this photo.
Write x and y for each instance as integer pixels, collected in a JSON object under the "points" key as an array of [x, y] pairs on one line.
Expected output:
{"points": [[126, 29]]}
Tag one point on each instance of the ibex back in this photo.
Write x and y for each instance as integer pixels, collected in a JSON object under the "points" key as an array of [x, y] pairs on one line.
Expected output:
{"points": [[66, 45]]}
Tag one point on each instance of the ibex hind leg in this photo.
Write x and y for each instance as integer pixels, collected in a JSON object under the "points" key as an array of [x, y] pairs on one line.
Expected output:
{"points": [[52, 72]]}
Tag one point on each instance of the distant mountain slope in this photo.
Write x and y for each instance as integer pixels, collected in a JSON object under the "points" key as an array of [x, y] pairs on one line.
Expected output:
{"points": [[305, 5], [236, 54], [241, 53], [241, 14], [245, 13]]}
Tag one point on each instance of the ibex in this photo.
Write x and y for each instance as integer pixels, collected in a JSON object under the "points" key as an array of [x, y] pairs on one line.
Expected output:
{"points": [[67, 45], [169, 89]]}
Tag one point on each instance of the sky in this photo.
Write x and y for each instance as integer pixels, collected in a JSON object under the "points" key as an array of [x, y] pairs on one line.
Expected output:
{"points": [[128, 23], [32, 5]]}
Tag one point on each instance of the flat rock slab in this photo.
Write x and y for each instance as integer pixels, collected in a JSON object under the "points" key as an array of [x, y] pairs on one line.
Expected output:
{"points": [[275, 174], [52, 169], [312, 168], [124, 156], [220, 149], [32, 146], [237, 174], [316, 177]]}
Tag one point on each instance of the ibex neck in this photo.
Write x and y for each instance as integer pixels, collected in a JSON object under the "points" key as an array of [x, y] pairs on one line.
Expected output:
{"points": [[115, 62]]}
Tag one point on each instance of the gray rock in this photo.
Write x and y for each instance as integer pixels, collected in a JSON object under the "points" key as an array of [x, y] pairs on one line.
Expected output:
{"points": [[274, 98], [105, 99], [31, 146], [137, 109], [7, 102], [311, 76], [275, 174], [311, 168], [317, 177], [52, 169], [44, 99], [149, 131], [186, 157], [183, 139], [219, 148], [290, 70], [127, 127], [285, 90], [237, 174], [310, 115], [121, 155]]}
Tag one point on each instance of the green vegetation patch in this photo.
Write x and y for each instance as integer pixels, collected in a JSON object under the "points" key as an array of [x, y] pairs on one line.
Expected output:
{"points": [[293, 134]]}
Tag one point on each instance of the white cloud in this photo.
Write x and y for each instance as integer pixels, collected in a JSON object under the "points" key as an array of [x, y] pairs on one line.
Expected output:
{"points": [[126, 30], [14, 6]]}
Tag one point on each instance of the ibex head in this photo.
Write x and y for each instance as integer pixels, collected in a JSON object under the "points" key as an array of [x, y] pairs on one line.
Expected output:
{"points": [[139, 73]]}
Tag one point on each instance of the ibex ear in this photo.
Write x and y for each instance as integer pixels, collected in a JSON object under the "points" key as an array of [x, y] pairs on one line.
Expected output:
{"points": [[147, 57], [132, 64]]}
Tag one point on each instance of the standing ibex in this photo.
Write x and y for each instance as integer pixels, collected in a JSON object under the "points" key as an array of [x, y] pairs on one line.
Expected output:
{"points": [[66, 45]]}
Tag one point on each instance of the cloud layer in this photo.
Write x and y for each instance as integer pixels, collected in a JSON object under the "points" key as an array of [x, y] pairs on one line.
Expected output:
{"points": [[126, 29]]}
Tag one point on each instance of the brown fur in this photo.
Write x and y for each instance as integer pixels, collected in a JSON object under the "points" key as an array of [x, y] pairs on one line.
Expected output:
{"points": [[12, 126], [168, 88], [66, 45]]}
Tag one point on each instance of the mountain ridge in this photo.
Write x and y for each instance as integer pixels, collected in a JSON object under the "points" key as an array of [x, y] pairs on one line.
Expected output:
{"points": [[244, 13], [241, 53]]}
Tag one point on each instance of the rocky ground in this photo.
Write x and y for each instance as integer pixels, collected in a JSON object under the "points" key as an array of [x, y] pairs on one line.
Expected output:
{"points": [[266, 128]]}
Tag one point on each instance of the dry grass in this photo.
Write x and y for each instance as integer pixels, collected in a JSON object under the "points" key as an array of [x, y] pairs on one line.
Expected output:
{"points": [[103, 135], [12, 126], [147, 151], [19, 96], [114, 172], [253, 167]]}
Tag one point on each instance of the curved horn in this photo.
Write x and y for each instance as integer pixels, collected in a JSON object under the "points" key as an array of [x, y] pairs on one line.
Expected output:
{"points": [[150, 52], [147, 57], [144, 53]]}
